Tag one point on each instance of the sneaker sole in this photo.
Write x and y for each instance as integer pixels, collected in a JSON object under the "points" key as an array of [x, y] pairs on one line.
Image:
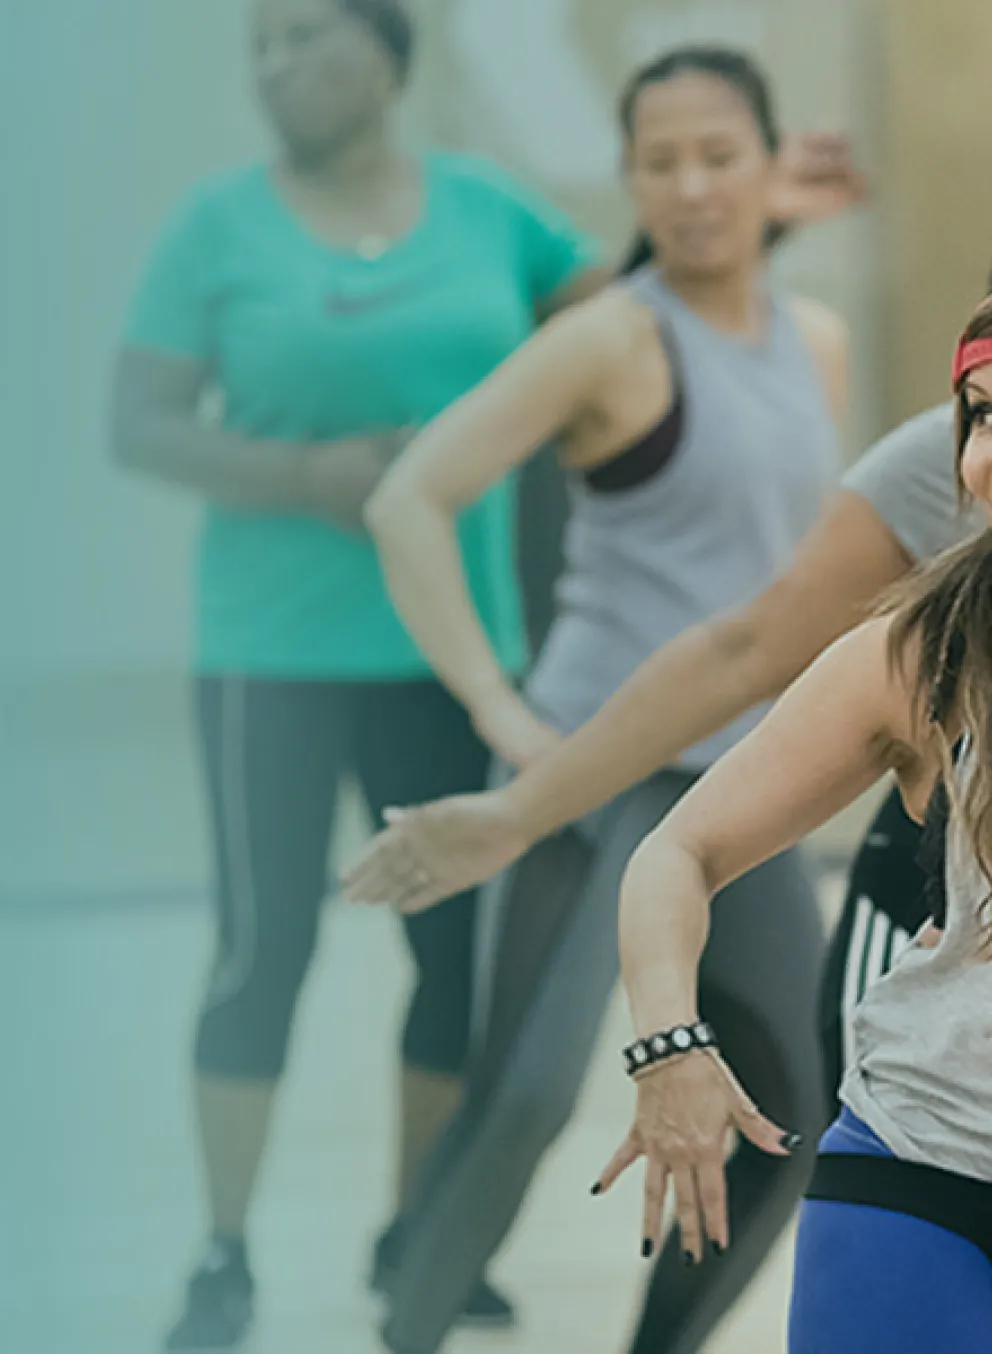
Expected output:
{"points": [[379, 1293], [239, 1343], [231, 1348], [495, 1324]]}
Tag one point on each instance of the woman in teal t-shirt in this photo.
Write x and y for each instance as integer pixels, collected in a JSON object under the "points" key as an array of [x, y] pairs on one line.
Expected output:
{"points": [[335, 300]]}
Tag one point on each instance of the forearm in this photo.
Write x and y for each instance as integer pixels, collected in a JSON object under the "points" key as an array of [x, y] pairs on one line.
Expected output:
{"points": [[175, 447], [252, 473], [684, 693], [695, 685], [664, 923], [826, 741], [422, 563]]}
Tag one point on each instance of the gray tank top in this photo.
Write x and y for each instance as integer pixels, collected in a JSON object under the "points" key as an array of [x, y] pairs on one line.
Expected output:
{"points": [[921, 1076], [757, 454]]}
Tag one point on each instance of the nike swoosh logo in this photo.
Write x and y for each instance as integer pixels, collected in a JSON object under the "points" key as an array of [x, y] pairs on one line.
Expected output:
{"points": [[348, 306]]}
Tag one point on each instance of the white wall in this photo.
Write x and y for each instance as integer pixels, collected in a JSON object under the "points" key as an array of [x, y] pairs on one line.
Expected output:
{"points": [[110, 109]]}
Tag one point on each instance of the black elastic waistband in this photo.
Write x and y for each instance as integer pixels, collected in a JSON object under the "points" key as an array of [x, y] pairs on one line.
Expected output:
{"points": [[957, 1203]]}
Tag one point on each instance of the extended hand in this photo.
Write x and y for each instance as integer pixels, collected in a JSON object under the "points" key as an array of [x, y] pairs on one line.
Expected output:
{"points": [[685, 1110], [432, 852]]}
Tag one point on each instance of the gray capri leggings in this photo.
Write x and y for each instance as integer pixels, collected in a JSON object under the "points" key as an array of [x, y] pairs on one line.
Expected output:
{"points": [[548, 966]]}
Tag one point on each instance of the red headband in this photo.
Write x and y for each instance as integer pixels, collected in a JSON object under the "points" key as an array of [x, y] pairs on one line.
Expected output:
{"points": [[969, 356]]}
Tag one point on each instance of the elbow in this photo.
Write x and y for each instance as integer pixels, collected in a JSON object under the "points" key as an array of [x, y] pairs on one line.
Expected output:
{"points": [[666, 847], [379, 509], [742, 648], [673, 861], [754, 645], [391, 505]]}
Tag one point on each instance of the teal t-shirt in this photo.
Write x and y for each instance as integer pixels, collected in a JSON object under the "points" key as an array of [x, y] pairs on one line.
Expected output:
{"points": [[305, 341]]}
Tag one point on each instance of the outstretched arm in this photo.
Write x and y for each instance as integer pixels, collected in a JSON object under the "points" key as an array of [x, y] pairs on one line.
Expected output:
{"points": [[847, 721], [833, 734], [687, 691], [695, 685]]}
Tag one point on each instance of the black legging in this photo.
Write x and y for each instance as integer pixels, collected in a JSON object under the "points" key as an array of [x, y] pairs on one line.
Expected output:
{"points": [[552, 965], [275, 753]]}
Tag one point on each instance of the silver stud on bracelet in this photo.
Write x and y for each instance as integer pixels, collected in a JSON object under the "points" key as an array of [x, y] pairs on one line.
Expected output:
{"points": [[668, 1044]]}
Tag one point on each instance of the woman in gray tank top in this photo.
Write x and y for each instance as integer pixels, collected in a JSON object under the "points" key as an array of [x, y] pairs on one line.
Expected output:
{"points": [[895, 1243], [695, 410]]}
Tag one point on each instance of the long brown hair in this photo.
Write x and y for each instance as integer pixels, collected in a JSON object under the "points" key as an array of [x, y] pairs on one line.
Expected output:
{"points": [[941, 641]]}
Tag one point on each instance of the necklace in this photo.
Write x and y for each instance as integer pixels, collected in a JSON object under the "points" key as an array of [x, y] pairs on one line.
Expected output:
{"points": [[372, 247]]}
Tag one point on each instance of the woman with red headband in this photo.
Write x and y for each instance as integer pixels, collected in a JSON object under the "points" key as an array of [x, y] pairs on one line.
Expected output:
{"points": [[894, 1253]]}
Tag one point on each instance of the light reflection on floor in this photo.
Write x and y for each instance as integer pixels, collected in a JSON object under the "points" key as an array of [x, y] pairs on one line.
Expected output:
{"points": [[99, 1168]]}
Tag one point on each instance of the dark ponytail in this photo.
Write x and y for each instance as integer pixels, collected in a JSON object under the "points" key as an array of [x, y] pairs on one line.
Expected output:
{"points": [[734, 67], [737, 70], [390, 23], [639, 255]]}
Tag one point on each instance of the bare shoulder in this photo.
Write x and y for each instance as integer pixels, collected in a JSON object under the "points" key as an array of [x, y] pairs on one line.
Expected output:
{"points": [[860, 671], [914, 750], [600, 342], [615, 321], [825, 330], [828, 338], [905, 740]]}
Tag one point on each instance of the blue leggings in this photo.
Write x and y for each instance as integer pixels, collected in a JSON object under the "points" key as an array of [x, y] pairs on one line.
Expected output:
{"points": [[869, 1281]]}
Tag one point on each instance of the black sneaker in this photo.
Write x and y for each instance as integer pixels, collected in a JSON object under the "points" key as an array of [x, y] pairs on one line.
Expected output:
{"points": [[219, 1302], [485, 1309]]}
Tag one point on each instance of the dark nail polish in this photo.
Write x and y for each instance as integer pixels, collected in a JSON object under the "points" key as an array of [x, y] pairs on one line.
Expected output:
{"points": [[688, 1259], [647, 1248], [597, 1188], [791, 1141], [718, 1249]]}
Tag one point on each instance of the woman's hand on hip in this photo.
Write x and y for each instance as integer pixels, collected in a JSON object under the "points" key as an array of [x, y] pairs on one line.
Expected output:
{"points": [[686, 1108], [430, 853]]}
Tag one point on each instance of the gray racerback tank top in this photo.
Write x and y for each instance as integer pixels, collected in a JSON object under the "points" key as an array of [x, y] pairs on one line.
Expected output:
{"points": [[921, 1077], [757, 455]]}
